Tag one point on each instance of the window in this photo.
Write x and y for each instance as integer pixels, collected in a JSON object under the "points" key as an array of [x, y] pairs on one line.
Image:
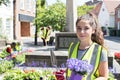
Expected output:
{"points": [[1, 26], [21, 4], [118, 25], [33, 5], [119, 13], [28, 5], [0, 23], [8, 23]]}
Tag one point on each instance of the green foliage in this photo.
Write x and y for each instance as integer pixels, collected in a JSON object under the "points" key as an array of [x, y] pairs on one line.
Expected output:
{"points": [[84, 9], [40, 9], [53, 15], [5, 65], [20, 58], [17, 74], [5, 2], [4, 53], [111, 76], [43, 2]]}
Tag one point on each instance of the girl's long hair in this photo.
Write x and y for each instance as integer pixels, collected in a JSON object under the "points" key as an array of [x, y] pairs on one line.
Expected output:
{"points": [[97, 36]]}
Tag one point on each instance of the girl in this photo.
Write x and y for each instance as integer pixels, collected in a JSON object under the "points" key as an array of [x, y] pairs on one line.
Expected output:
{"points": [[91, 43]]}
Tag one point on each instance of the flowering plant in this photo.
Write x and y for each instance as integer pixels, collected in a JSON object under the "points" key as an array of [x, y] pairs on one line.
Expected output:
{"points": [[117, 55], [60, 74], [79, 68]]}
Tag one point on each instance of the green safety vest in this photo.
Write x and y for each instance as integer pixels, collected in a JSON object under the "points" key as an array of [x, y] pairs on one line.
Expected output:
{"points": [[45, 33], [18, 47], [93, 51]]}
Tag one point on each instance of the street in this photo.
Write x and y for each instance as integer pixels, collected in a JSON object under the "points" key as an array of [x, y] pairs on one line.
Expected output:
{"points": [[112, 43]]}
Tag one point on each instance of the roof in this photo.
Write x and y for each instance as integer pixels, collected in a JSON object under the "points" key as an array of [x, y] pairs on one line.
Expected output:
{"points": [[111, 5], [118, 6], [92, 2], [97, 8]]}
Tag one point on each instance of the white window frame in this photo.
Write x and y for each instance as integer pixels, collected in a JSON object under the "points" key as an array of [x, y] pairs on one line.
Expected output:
{"points": [[22, 4], [118, 13], [33, 6], [28, 5], [1, 26], [118, 26], [0, 22], [8, 23]]}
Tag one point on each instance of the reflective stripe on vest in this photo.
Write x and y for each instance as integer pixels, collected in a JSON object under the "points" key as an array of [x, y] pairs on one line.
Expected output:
{"points": [[44, 32], [88, 56]]}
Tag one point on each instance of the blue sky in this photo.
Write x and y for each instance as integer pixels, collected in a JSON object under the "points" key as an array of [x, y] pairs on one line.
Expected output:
{"points": [[79, 2]]}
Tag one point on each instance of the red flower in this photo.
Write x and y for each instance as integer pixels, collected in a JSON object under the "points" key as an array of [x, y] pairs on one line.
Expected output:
{"points": [[60, 75], [9, 50], [117, 55]]}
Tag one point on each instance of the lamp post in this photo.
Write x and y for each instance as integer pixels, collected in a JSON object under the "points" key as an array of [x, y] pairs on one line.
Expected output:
{"points": [[14, 19], [36, 24]]}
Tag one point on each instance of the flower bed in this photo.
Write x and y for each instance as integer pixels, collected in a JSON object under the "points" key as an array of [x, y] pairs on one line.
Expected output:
{"points": [[5, 65], [34, 74], [18, 74], [9, 60]]}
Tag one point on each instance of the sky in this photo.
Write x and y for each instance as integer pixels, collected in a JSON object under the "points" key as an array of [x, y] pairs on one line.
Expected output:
{"points": [[79, 2]]}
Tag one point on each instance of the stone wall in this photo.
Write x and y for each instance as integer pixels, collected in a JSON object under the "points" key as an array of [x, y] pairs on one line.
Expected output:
{"points": [[44, 58], [64, 39]]}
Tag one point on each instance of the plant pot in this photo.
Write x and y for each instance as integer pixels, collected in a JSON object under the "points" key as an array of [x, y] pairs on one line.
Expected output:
{"points": [[112, 32], [117, 32]]}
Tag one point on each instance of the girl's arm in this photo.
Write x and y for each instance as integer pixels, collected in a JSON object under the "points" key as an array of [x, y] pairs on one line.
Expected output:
{"points": [[103, 71]]}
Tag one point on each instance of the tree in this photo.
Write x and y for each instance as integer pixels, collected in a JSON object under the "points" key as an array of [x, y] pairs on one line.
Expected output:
{"points": [[84, 9], [39, 4], [5, 2], [58, 16], [53, 15]]}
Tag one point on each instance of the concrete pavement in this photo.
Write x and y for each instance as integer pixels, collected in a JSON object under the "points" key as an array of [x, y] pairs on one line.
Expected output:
{"points": [[113, 44]]}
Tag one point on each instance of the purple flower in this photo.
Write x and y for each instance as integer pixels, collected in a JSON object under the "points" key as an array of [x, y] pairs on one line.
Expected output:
{"points": [[79, 66]]}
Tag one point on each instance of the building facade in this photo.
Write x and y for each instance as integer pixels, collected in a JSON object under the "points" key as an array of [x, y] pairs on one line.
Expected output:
{"points": [[117, 17], [17, 18], [6, 21], [24, 14]]}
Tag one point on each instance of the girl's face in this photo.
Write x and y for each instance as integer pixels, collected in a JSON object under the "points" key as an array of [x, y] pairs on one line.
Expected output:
{"points": [[84, 30]]}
